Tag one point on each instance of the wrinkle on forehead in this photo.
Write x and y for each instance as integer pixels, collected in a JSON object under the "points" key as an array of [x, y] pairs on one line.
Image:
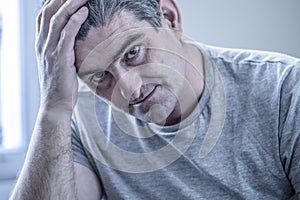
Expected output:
{"points": [[110, 50], [122, 22]]}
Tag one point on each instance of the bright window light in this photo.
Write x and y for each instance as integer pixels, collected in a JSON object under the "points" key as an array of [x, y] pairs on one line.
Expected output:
{"points": [[10, 76]]}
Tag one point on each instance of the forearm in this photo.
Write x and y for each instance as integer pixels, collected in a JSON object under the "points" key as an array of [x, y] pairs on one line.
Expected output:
{"points": [[48, 171]]}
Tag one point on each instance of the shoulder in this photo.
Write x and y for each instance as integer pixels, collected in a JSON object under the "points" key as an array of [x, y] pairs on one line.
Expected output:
{"points": [[241, 56], [252, 66]]}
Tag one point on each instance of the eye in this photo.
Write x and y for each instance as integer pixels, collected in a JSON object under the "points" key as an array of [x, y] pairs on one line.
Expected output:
{"points": [[99, 76], [132, 54]]}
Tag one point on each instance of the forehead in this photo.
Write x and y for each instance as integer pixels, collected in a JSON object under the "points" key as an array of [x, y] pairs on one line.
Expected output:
{"points": [[108, 38]]}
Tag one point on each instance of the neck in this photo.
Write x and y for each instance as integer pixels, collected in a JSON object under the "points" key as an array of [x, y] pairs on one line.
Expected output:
{"points": [[194, 80], [192, 88]]}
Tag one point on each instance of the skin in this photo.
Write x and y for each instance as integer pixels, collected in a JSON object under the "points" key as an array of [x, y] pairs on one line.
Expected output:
{"points": [[150, 78], [49, 171]]}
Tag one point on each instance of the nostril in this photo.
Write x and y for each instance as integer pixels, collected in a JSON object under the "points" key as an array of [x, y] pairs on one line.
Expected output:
{"points": [[135, 95], [130, 93], [141, 93]]}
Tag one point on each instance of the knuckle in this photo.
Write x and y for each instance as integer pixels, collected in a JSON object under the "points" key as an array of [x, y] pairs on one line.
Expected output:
{"points": [[46, 12], [59, 18], [54, 21], [65, 34], [50, 54], [49, 57], [65, 12]]}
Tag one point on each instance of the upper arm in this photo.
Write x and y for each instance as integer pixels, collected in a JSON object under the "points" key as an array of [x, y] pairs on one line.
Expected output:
{"points": [[87, 183], [289, 126]]}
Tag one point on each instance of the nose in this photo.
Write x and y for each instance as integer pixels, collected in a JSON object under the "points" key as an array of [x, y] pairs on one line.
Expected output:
{"points": [[128, 81]]}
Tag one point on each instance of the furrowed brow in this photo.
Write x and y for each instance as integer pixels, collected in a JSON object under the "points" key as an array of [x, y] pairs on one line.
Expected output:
{"points": [[132, 38]]}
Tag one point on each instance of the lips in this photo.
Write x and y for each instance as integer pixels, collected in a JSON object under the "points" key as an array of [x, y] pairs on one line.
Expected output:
{"points": [[145, 92]]}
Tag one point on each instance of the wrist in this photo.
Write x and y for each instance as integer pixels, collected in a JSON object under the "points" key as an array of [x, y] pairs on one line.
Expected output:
{"points": [[55, 113], [56, 106]]}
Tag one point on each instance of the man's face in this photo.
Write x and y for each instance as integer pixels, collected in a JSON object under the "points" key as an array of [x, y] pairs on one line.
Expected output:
{"points": [[137, 68]]}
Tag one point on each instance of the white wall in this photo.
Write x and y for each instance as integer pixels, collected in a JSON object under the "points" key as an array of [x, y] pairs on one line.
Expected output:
{"points": [[257, 24]]}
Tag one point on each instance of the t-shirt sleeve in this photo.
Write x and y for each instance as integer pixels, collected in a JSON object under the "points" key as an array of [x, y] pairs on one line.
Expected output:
{"points": [[79, 154], [289, 126]]}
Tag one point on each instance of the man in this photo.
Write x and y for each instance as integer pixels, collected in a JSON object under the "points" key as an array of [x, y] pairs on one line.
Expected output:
{"points": [[158, 116]]}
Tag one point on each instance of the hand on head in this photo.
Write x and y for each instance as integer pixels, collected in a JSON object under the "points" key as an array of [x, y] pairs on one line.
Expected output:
{"points": [[57, 26]]}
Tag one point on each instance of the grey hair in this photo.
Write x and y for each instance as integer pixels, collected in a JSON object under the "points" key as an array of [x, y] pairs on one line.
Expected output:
{"points": [[101, 13]]}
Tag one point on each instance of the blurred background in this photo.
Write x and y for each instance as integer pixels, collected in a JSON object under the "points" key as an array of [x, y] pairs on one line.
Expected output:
{"points": [[271, 25]]}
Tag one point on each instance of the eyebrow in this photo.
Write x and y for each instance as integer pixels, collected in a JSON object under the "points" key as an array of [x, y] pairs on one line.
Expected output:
{"points": [[129, 40]]}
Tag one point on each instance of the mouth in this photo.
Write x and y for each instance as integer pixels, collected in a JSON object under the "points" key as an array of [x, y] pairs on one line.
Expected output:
{"points": [[146, 92]]}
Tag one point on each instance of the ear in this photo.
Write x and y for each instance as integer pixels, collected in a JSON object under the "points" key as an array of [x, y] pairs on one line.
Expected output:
{"points": [[171, 14]]}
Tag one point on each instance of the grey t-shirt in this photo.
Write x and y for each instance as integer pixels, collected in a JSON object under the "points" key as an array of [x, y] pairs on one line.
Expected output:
{"points": [[241, 142]]}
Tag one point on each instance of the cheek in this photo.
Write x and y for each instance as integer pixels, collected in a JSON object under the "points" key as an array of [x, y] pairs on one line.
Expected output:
{"points": [[111, 94], [166, 69], [168, 58], [105, 91], [155, 56]]}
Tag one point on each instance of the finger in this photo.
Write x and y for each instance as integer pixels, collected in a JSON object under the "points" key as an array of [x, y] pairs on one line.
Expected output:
{"points": [[75, 93], [46, 14], [39, 16], [61, 18], [68, 34], [43, 20]]}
